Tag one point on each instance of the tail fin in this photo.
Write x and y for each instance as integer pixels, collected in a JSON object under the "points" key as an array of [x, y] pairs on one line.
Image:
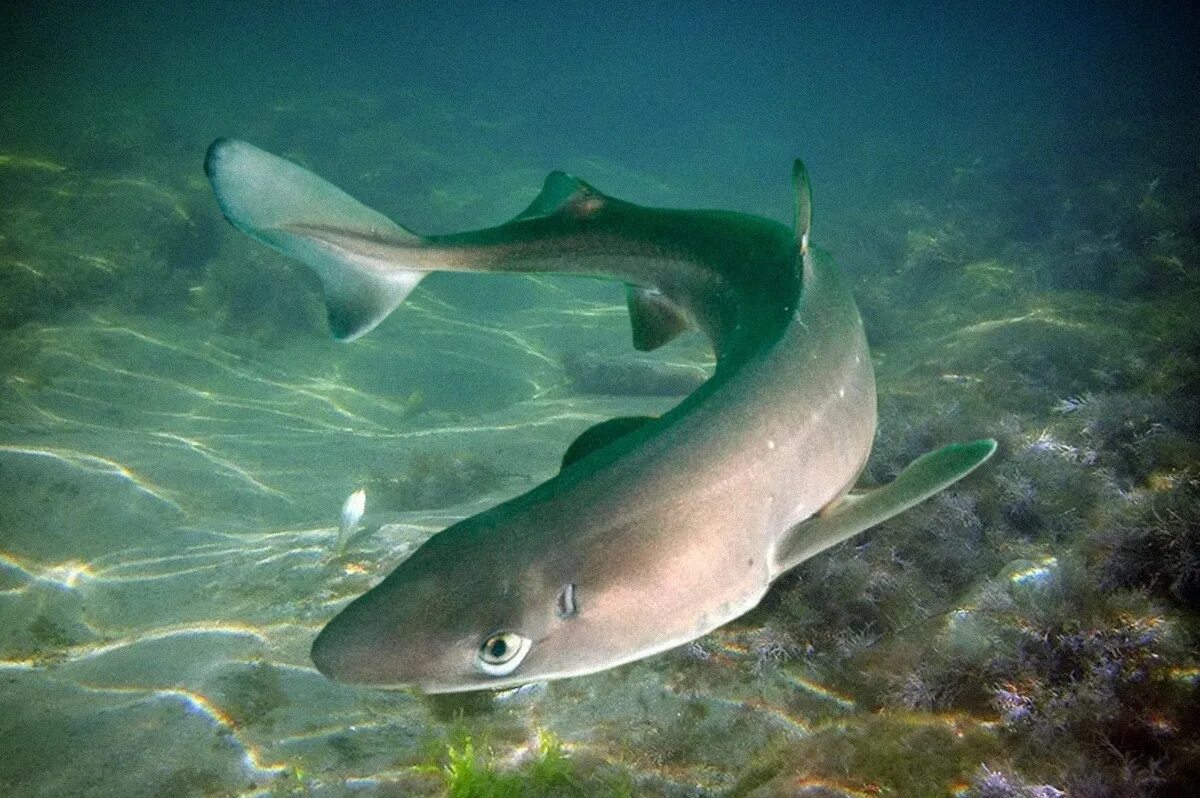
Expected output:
{"points": [[274, 201]]}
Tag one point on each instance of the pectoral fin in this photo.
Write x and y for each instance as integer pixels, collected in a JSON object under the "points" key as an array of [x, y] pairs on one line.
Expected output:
{"points": [[857, 512], [292, 210], [601, 435]]}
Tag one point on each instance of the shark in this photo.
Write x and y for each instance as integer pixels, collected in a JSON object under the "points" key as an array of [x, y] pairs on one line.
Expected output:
{"points": [[657, 530]]}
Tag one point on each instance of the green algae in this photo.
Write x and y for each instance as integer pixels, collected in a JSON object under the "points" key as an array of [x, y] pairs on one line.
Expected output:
{"points": [[250, 694], [436, 479], [973, 332], [47, 633], [879, 754], [548, 772]]}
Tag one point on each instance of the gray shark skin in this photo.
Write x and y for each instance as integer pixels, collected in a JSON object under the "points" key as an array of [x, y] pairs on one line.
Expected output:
{"points": [[656, 531]]}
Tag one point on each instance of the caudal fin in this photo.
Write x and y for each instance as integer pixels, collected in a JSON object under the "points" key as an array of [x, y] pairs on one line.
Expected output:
{"points": [[281, 204]]}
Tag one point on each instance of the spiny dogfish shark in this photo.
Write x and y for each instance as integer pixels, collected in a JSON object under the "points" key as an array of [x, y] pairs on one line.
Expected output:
{"points": [[657, 530]]}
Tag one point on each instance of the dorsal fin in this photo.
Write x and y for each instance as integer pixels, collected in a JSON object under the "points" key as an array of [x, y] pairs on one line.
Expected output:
{"points": [[803, 211], [803, 220], [602, 434], [655, 319], [562, 193]]}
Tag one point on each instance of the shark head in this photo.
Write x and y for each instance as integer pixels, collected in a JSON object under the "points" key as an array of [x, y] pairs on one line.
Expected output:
{"points": [[473, 609]]}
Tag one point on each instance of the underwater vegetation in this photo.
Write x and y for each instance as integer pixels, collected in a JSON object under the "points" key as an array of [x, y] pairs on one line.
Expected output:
{"points": [[630, 376], [1031, 633], [988, 783], [266, 298], [1072, 667], [546, 773], [249, 694], [436, 479], [1156, 548], [882, 754], [62, 250]]}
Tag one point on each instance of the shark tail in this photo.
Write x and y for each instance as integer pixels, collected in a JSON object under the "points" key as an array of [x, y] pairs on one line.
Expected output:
{"points": [[276, 201]]}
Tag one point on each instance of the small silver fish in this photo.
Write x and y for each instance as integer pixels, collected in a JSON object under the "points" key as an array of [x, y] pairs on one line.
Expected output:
{"points": [[352, 512], [522, 694]]}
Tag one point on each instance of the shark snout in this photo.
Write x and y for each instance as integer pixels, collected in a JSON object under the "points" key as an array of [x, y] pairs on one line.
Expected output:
{"points": [[343, 653], [329, 654]]}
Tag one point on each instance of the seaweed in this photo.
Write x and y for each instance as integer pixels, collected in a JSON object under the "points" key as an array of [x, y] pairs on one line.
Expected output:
{"points": [[988, 783], [435, 480], [456, 707], [840, 598], [548, 771], [1131, 433], [876, 754], [626, 376], [1042, 494], [250, 694], [190, 780], [268, 299], [46, 633], [191, 247], [1156, 547], [1070, 667]]}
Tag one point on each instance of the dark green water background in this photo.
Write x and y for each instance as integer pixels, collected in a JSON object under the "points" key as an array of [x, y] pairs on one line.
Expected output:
{"points": [[1012, 193]]}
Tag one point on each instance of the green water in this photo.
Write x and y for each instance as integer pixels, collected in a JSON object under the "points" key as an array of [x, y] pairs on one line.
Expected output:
{"points": [[178, 432]]}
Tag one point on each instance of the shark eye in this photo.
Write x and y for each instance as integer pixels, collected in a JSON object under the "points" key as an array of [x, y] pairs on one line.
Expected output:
{"points": [[501, 653]]}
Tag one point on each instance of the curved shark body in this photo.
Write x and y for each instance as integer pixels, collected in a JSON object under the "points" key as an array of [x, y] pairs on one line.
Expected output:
{"points": [[656, 531]]}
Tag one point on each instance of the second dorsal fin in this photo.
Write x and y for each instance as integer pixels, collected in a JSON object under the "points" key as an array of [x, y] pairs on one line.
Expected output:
{"points": [[562, 193]]}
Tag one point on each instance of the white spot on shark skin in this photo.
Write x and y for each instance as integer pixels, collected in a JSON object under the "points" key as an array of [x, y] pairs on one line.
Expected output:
{"points": [[841, 393], [770, 444]]}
